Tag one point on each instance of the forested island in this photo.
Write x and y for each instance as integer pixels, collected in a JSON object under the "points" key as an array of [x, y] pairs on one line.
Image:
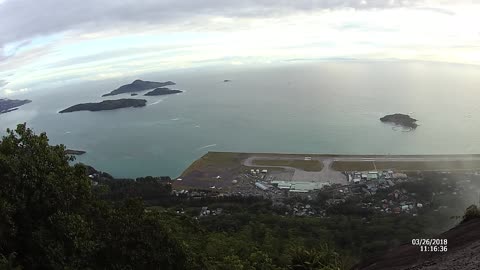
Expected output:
{"points": [[107, 105], [401, 120], [9, 105], [137, 86], [162, 91]]}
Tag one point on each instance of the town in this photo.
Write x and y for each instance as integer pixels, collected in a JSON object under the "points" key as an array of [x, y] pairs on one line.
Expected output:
{"points": [[386, 191]]}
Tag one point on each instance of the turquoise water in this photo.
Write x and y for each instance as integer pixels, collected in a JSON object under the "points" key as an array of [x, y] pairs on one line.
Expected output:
{"points": [[295, 108]]}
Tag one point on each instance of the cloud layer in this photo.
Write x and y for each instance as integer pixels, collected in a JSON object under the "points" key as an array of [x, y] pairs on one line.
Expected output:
{"points": [[61, 41], [24, 19]]}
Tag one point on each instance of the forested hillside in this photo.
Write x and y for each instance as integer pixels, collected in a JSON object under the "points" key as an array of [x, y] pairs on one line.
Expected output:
{"points": [[55, 215]]}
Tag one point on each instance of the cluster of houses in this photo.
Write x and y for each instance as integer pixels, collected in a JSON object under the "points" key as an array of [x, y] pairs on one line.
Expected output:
{"points": [[259, 173], [210, 212], [301, 210], [359, 177], [400, 201]]}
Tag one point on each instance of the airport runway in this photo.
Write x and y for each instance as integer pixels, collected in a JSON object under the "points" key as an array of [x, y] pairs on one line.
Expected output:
{"points": [[329, 175]]}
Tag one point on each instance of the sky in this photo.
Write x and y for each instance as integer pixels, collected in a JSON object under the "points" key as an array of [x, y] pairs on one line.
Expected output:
{"points": [[57, 42]]}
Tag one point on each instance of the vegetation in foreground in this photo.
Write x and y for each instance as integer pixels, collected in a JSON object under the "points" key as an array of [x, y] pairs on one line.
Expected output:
{"points": [[53, 217]]}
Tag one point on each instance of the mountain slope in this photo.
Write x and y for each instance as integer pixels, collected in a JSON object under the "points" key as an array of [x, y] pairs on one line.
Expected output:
{"points": [[463, 253]]}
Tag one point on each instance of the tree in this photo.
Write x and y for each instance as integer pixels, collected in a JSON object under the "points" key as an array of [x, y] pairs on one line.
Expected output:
{"points": [[51, 219], [323, 259], [38, 188]]}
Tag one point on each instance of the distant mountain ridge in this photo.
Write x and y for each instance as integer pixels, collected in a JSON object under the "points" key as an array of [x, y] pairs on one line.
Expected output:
{"points": [[137, 86], [8, 105]]}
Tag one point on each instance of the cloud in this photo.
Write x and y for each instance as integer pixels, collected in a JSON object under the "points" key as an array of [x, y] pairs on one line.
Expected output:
{"points": [[3, 83], [19, 59], [11, 91], [24, 19], [437, 10]]}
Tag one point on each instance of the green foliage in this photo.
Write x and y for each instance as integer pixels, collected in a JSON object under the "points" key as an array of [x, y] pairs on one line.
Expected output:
{"points": [[51, 219], [8, 263], [37, 187], [148, 189], [324, 259], [472, 212]]}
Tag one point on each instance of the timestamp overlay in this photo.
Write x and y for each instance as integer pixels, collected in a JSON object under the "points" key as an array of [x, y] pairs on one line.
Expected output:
{"points": [[431, 245]]}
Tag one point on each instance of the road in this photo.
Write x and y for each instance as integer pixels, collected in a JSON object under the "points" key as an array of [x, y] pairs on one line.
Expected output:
{"points": [[326, 175]]}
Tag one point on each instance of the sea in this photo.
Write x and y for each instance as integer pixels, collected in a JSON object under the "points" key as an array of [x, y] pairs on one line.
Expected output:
{"points": [[330, 107]]}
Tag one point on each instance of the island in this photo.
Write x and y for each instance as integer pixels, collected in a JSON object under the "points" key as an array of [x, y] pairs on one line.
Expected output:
{"points": [[137, 86], [401, 120], [10, 105], [162, 91], [74, 152], [107, 105]]}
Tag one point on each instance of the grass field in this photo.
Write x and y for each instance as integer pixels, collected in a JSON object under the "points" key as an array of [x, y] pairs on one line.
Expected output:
{"points": [[216, 160], [306, 165], [406, 165], [342, 166]]}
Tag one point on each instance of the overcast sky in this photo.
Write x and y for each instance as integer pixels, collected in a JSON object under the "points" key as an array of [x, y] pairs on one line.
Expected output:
{"points": [[73, 40]]}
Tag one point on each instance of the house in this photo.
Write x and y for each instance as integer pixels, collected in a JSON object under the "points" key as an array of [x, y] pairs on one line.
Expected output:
{"points": [[372, 176]]}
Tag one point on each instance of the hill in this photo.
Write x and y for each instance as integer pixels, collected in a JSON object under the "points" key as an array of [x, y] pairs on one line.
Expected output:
{"points": [[162, 91], [8, 105], [137, 86], [106, 105]]}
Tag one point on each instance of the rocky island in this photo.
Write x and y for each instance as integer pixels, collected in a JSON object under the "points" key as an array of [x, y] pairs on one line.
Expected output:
{"points": [[401, 120], [137, 86], [107, 105], [9, 105], [162, 91], [74, 152]]}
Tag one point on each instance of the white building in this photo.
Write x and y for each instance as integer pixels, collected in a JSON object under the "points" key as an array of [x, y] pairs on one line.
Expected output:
{"points": [[261, 186]]}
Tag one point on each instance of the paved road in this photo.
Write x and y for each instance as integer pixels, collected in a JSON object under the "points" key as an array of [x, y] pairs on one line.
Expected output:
{"points": [[326, 175]]}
